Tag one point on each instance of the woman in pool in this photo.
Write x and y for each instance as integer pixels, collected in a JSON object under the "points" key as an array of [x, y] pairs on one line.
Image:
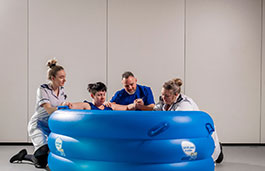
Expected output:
{"points": [[98, 94]]}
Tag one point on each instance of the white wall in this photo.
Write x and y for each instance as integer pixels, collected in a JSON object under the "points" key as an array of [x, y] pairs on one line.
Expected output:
{"points": [[147, 38], [13, 70], [213, 45], [223, 64], [75, 33]]}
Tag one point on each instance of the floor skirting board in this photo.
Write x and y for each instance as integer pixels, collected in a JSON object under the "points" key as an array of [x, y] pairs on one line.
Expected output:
{"points": [[243, 144], [16, 143]]}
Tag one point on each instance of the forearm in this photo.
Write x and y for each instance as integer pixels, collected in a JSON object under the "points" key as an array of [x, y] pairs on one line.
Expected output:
{"points": [[118, 106], [81, 105], [50, 110], [147, 107]]}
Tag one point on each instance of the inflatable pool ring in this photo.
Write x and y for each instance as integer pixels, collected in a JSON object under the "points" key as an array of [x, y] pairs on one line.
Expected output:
{"points": [[131, 124], [60, 163], [117, 150], [130, 140]]}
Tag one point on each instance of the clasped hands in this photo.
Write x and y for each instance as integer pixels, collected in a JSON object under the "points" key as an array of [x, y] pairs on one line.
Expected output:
{"points": [[137, 104]]}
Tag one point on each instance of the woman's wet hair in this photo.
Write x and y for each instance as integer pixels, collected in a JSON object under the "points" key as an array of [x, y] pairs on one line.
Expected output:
{"points": [[174, 85], [53, 68], [96, 87]]}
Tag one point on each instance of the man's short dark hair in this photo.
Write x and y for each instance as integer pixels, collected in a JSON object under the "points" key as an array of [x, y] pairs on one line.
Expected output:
{"points": [[127, 74]]}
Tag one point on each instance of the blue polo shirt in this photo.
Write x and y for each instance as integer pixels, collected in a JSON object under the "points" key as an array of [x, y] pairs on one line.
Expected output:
{"points": [[142, 92]]}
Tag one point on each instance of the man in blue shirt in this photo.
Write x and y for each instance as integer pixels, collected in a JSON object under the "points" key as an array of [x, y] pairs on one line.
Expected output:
{"points": [[133, 96]]}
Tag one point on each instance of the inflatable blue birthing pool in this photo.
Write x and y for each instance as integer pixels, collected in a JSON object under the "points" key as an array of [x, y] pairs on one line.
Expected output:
{"points": [[94, 140]]}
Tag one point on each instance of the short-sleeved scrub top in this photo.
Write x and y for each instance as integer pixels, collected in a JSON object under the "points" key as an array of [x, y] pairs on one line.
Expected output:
{"points": [[38, 128], [182, 103]]}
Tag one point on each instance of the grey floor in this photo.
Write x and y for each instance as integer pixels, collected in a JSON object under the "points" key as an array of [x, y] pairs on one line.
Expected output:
{"points": [[237, 158]]}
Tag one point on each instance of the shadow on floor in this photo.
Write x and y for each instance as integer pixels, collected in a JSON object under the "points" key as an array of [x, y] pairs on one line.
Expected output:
{"points": [[230, 166]]}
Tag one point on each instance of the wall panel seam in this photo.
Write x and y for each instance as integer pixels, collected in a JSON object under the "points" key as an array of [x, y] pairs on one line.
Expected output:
{"points": [[185, 45], [107, 45], [27, 67], [261, 72]]}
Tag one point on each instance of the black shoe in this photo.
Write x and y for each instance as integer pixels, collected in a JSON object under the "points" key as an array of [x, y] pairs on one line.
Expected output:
{"points": [[221, 155], [19, 156]]}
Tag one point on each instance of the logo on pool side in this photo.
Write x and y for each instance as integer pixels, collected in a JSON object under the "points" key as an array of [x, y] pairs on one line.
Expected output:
{"points": [[59, 145], [189, 149]]}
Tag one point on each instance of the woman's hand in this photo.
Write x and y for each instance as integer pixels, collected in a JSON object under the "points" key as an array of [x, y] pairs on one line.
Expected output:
{"points": [[69, 104], [108, 104]]}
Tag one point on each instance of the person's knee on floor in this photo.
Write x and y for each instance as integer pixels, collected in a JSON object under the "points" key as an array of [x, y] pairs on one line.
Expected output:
{"points": [[41, 156], [221, 155]]}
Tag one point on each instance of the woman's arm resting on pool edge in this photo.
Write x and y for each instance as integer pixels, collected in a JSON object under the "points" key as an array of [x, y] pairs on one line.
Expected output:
{"points": [[81, 105]]}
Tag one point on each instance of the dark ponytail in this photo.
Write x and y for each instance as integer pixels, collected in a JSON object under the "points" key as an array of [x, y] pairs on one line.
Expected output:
{"points": [[96, 87]]}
